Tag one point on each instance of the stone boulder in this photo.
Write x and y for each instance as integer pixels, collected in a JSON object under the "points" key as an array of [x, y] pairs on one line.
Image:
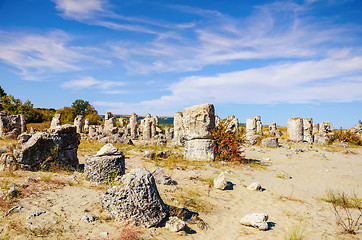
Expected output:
{"points": [[105, 166], [255, 186], [220, 182], [161, 177], [60, 147], [174, 224], [271, 142], [135, 200], [257, 220]]}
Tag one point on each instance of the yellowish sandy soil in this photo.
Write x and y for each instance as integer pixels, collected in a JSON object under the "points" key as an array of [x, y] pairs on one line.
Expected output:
{"points": [[290, 203]]}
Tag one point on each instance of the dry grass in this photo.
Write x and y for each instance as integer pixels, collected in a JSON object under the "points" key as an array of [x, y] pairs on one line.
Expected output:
{"points": [[39, 126], [286, 198], [191, 198], [294, 233], [346, 208]]}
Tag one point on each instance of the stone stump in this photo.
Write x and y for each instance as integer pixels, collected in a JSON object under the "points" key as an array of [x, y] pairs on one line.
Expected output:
{"points": [[198, 123], [295, 129], [105, 166]]}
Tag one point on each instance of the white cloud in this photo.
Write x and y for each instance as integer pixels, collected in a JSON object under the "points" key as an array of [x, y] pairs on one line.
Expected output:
{"points": [[80, 9], [90, 82], [327, 80], [39, 56], [272, 31]]}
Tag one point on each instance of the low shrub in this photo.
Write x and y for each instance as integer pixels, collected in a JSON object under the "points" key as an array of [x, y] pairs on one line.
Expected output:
{"points": [[227, 142], [347, 136]]}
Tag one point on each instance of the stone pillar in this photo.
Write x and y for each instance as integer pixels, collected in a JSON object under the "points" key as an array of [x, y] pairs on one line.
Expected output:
{"points": [[23, 123], [78, 122], [133, 122], [295, 129], [169, 133], [217, 120], [315, 128], [147, 127], [198, 123], [86, 124], [233, 124], [250, 127], [308, 130], [155, 121], [177, 130], [259, 125], [272, 127], [56, 121], [121, 122], [110, 125]]}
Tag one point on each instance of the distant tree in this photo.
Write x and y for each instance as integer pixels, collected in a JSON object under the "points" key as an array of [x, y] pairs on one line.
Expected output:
{"points": [[80, 107], [2, 92], [14, 106], [92, 115], [67, 114]]}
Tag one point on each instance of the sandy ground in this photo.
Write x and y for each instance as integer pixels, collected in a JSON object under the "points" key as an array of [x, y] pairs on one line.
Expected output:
{"points": [[289, 202]]}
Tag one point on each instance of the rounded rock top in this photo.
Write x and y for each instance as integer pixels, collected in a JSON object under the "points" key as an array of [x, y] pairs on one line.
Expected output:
{"points": [[108, 149]]}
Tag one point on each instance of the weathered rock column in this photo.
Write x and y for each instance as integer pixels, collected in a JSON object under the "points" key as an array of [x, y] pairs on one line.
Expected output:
{"points": [[273, 130], [308, 130], [56, 121], [78, 123], [325, 133], [110, 125], [147, 127], [259, 125], [23, 123], [177, 130], [86, 124], [315, 128], [133, 122], [198, 123], [233, 124], [295, 129], [155, 122]]}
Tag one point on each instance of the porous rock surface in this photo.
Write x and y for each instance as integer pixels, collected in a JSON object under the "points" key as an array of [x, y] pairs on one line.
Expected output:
{"points": [[61, 145], [106, 165], [136, 199]]}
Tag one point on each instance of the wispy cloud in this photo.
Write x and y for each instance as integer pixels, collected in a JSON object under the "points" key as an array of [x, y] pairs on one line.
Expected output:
{"points": [[272, 31], [39, 56], [90, 82], [327, 80], [80, 9]]}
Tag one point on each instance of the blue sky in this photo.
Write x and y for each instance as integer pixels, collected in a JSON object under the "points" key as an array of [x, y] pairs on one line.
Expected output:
{"points": [[277, 59]]}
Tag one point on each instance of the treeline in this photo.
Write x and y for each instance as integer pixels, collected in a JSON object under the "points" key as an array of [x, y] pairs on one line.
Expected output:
{"points": [[14, 106]]}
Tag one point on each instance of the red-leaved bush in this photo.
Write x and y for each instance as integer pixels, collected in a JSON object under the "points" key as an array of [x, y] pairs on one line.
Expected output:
{"points": [[227, 142]]}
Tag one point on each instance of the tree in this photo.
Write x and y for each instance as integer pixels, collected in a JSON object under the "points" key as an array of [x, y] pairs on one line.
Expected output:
{"points": [[80, 107], [2, 92]]}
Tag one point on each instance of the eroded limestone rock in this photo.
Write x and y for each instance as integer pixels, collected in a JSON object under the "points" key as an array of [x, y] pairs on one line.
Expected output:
{"points": [[136, 199]]}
